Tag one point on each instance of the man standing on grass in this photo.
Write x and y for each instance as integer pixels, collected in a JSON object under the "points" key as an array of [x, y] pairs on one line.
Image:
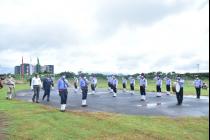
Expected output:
{"points": [[84, 87], [63, 85], [198, 85], [36, 85], [10, 82], [47, 85]]}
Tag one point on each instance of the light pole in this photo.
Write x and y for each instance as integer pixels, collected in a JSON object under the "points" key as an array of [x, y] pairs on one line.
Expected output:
{"points": [[198, 68]]}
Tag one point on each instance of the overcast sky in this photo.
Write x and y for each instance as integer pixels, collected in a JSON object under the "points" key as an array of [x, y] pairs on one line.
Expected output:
{"points": [[115, 36]]}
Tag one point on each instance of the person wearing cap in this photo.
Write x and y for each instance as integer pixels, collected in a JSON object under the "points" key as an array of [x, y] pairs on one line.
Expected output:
{"points": [[84, 87], [168, 85], [132, 85], [143, 86], [10, 82], [179, 94], [158, 85], [93, 84], [76, 81], [36, 85], [63, 86], [114, 86], [124, 83], [198, 85], [47, 85], [111, 84], [109, 80]]}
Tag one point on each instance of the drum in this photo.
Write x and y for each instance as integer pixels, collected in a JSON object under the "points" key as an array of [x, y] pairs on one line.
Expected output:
{"points": [[174, 87]]}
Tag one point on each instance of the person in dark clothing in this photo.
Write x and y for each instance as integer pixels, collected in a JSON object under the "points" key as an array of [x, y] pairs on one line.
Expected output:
{"points": [[47, 85]]}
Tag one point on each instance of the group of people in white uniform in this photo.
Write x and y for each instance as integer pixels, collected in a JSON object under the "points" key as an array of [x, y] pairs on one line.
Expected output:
{"points": [[177, 87], [82, 84]]}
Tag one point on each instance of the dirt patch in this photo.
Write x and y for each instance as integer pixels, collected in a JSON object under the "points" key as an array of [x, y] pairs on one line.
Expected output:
{"points": [[130, 136], [3, 125], [96, 115]]}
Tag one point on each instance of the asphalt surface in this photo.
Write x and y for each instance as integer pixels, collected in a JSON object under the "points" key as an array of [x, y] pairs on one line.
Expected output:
{"points": [[125, 103]]}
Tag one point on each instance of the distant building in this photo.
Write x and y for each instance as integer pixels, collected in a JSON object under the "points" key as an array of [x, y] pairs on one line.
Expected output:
{"points": [[34, 69], [26, 69], [17, 70], [50, 69]]}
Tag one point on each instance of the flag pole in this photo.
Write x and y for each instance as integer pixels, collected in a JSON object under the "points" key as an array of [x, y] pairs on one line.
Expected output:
{"points": [[22, 69]]}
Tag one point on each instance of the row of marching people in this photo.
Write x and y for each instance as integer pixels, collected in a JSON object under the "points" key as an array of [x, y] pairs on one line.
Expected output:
{"points": [[113, 84], [177, 87]]}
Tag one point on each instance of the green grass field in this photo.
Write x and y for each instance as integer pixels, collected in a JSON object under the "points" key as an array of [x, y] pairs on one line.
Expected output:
{"points": [[27, 121]]}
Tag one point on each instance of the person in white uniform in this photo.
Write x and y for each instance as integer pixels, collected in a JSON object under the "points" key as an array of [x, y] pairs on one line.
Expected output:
{"points": [[198, 85], [93, 81], [132, 85], [36, 85], [114, 86], [168, 85], [158, 85], [143, 86], [76, 82], [124, 84]]}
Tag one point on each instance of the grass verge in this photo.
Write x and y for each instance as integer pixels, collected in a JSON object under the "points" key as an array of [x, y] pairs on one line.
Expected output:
{"points": [[27, 121]]}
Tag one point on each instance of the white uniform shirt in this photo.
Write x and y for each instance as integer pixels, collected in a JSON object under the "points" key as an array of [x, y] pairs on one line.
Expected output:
{"points": [[143, 82], [181, 82], [158, 81], [198, 83], [115, 82], [95, 81], [132, 81], [168, 81], [36, 82], [109, 79], [124, 81]]}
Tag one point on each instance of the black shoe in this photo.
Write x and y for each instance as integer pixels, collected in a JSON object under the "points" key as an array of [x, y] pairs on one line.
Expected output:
{"points": [[7, 98], [48, 100], [33, 100], [84, 105], [62, 110], [37, 102]]}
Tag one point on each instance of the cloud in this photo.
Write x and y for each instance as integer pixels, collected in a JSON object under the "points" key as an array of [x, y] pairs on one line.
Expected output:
{"points": [[126, 36], [112, 14], [27, 38]]}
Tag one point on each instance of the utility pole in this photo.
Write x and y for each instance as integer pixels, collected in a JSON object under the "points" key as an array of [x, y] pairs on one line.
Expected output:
{"points": [[198, 68]]}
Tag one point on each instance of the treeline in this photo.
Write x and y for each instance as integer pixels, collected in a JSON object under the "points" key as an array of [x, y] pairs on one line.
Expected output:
{"points": [[151, 75]]}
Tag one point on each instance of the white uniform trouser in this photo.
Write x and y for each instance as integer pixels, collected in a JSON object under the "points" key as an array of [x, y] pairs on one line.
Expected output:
{"points": [[63, 107]]}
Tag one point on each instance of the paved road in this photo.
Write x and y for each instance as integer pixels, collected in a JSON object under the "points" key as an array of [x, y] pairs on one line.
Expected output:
{"points": [[125, 103]]}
